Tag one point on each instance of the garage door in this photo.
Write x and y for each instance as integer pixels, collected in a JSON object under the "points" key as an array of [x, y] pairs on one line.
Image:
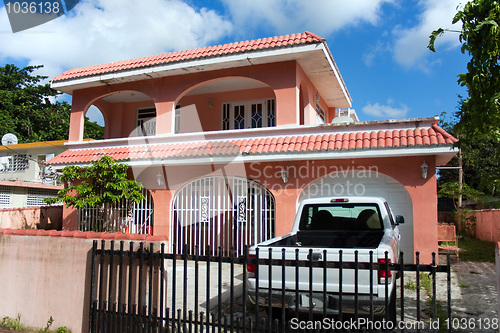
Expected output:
{"points": [[370, 184]]}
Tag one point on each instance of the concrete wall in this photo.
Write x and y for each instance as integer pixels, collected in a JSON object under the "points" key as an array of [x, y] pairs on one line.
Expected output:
{"points": [[488, 224], [32, 218], [43, 277], [47, 273]]}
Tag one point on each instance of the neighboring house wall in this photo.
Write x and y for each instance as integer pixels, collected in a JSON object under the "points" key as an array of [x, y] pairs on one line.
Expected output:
{"points": [[32, 218], [24, 179], [487, 224]]}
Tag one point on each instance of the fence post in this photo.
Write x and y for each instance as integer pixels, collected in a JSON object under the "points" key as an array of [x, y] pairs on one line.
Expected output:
{"points": [[92, 286]]}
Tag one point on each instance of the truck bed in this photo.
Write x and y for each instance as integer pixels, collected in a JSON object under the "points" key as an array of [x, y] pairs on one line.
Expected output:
{"points": [[366, 239]]}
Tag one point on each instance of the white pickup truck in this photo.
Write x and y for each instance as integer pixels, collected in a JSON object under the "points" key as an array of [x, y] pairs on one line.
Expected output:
{"points": [[348, 227]]}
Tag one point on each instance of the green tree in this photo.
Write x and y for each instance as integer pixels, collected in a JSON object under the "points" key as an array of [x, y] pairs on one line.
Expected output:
{"points": [[480, 38], [27, 110], [480, 167], [100, 185]]}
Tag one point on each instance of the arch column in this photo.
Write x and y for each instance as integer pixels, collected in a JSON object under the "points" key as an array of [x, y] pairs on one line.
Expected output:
{"points": [[165, 117]]}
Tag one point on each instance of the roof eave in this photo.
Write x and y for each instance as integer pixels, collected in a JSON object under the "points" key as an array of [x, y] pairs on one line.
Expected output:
{"points": [[315, 54], [443, 154]]}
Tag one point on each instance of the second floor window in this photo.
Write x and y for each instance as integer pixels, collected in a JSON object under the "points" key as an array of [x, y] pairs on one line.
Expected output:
{"points": [[249, 114], [14, 163], [320, 115], [146, 122]]}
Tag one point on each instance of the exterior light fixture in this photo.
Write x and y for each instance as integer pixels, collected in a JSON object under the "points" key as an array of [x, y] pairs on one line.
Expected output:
{"points": [[318, 97], [284, 175], [424, 168], [210, 104], [159, 179]]}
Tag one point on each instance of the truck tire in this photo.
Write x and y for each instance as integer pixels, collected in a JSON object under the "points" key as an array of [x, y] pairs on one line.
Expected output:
{"points": [[392, 310]]}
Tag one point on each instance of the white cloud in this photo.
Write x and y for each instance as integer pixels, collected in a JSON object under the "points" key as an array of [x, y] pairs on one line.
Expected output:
{"points": [[100, 31], [319, 16], [386, 111], [410, 48]]}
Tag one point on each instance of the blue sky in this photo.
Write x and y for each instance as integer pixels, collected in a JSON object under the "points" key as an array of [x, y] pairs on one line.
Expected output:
{"points": [[378, 45]]}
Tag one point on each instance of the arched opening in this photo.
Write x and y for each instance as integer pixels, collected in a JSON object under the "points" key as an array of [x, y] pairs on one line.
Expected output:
{"points": [[94, 125], [133, 114], [225, 212], [226, 104], [368, 182]]}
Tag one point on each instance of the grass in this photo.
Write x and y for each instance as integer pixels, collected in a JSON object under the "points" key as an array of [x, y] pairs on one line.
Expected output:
{"points": [[472, 249], [14, 324]]}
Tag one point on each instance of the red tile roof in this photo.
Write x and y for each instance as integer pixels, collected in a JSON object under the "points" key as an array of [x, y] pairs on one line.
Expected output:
{"points": [[205, 52], [401, 138]]}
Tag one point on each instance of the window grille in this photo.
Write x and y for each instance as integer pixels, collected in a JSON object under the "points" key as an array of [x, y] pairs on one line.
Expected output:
{"points": [[36, 196], [320, 115], [177, 126], [146, 122], [124, 216], [249, 114], [225, 116], [271, 113], [14, 163], [5, 197]]}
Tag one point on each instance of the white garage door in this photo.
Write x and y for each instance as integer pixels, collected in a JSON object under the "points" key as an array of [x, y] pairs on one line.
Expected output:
{"points": [[369, 184]]}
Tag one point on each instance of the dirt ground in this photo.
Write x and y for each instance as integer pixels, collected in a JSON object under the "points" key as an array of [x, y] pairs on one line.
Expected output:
{"points": [[474, 295]]}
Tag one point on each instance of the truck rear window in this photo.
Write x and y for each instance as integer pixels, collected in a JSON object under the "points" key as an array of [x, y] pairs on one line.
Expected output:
{"points": [[346, 216]]}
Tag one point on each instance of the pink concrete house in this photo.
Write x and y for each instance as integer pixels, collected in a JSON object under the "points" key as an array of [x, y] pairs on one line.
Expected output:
{"points": [[229, 139]]}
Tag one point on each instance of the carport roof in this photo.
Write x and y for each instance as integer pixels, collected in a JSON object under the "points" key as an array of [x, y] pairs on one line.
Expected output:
{"points": [[420, 136]]}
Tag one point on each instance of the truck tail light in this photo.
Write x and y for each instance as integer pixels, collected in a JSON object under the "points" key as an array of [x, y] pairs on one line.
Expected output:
{"points": [[251, 268], [340, 200], [382, 274]]}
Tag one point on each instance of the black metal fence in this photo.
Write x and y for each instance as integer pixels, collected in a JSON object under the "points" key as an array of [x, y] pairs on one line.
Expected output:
{"points": [[138, 288]]}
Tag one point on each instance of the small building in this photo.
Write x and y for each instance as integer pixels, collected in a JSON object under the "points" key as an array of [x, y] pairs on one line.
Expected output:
{"points": [[229, 139], [25, 180]]}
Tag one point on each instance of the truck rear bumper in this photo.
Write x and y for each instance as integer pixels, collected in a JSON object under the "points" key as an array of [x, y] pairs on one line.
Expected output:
{"points": [[320, 302]]}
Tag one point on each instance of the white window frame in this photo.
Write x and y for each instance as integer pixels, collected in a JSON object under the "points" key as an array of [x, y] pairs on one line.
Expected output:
{"points": [[247, 105], [320, 115], [36, 195], [14, 163], [177, 119], [151, 129], [5, 197]]}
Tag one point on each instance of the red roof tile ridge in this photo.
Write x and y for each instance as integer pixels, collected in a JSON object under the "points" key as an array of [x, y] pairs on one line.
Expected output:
{"points": [[446, 135], [183, 55]]}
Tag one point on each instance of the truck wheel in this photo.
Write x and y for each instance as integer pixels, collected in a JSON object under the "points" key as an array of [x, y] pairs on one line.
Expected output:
{"points": [[391, 315]]}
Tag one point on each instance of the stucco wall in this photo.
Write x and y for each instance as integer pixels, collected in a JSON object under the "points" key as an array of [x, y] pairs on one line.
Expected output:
{"points": [[47, 273], [406, 171], [32, 217], [43, 277], [488, 224]]}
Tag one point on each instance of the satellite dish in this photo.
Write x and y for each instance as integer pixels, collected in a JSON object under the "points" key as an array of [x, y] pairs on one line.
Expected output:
{"points": [[9, 139], [342, 120]]}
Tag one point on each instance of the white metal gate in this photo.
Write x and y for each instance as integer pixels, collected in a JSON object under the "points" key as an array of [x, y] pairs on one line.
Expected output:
{"points": [[124, 216], [225, 212]]}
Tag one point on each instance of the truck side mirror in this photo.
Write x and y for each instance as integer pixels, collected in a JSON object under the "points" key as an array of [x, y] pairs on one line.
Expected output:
{"points": [[400, 219]]}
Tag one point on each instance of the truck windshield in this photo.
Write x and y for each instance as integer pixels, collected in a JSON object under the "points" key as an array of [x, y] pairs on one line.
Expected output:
{"points": [[351, 216]]}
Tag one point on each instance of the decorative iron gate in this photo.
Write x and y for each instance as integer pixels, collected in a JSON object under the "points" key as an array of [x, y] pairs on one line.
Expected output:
{"points": [[124, 216], [225, 212]]}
